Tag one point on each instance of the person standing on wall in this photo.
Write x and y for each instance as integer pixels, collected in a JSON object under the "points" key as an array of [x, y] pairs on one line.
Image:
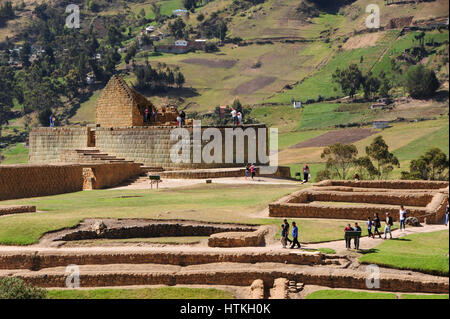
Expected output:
{"points": [[402, 218], [234, 116], [52, 121], [155, 115], [146, 115], [179, 121], [295, 236], [183, 118], [239, 118]]}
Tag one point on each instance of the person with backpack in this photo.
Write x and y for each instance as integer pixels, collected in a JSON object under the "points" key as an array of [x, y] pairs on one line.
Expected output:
{"points": [[295, 236], [247, 171], [146, 115], [402, 218], [377, 225], [286, 232], [389, 224], [234, 116], [183, 118]]}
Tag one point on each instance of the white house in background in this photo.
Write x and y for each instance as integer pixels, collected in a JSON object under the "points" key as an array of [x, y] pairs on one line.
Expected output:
{"points": [[149, 29], [381, 124], [122, 50], [179, 12], [181, 43], [90, 79], [297, 105]]}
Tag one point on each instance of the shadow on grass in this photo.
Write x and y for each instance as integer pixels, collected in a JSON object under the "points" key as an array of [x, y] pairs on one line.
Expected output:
{"points": [[368, 251]]}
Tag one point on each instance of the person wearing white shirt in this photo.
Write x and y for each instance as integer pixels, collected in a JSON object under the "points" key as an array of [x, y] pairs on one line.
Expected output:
{"points": [[402, 218]]}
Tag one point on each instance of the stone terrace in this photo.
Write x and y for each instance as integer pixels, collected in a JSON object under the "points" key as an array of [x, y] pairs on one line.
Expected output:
{"points": [[359, 199]]}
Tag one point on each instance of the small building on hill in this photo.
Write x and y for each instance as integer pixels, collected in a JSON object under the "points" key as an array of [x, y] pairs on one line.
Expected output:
{"points": [[380, 124]]}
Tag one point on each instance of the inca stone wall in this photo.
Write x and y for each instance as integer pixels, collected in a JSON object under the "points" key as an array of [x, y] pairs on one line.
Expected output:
{"points": [[46, 144], [121, 106], [424, 200], [22, 181], [151, 146]]}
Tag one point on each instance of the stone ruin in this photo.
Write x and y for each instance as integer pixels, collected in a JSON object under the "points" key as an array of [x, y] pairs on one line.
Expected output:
{"points": [[120, 134], [357, 200]]}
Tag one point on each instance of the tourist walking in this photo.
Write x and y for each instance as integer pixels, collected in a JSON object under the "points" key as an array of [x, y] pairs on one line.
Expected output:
{"points": [[348, 240], [446, 214], [402, 218], [376, 225], [357, 228], [253, 171], [283, 236], [295, 236], [369, 226], [306, 173], [247, 171], [155, 115], [286, 229], [389, 223], [179, 121]]}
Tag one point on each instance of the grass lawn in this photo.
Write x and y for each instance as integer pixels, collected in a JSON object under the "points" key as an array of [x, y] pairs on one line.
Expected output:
{"points": [[153, 240], [16, 154], [143, 293], [413, 296], [213, 203], [348, 294], [426, 253]]}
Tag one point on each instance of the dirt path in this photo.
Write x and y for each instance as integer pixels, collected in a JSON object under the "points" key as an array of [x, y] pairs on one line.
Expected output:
{"points": [[369, 243], [174, 183]]}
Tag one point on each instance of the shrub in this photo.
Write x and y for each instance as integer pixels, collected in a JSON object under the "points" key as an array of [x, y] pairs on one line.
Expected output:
{"points": [[15, 288], [421, 82], [44, 117]]}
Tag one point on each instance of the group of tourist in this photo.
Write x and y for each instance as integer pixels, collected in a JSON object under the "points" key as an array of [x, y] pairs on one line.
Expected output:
{"points": [[348, 239], [250, 171], [148, 114], [285, 235], [236, 117]]}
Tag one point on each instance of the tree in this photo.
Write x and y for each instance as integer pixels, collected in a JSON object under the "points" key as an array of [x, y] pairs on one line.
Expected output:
{"points": [[16, 288], [177, 28], [421, 82], [189, 4], [378, 151], [371, 85], [364, 168], [237, 105], [349, 80], [221, 31], [179, 79], [156, 8], [433, 165], [340, 158]]}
